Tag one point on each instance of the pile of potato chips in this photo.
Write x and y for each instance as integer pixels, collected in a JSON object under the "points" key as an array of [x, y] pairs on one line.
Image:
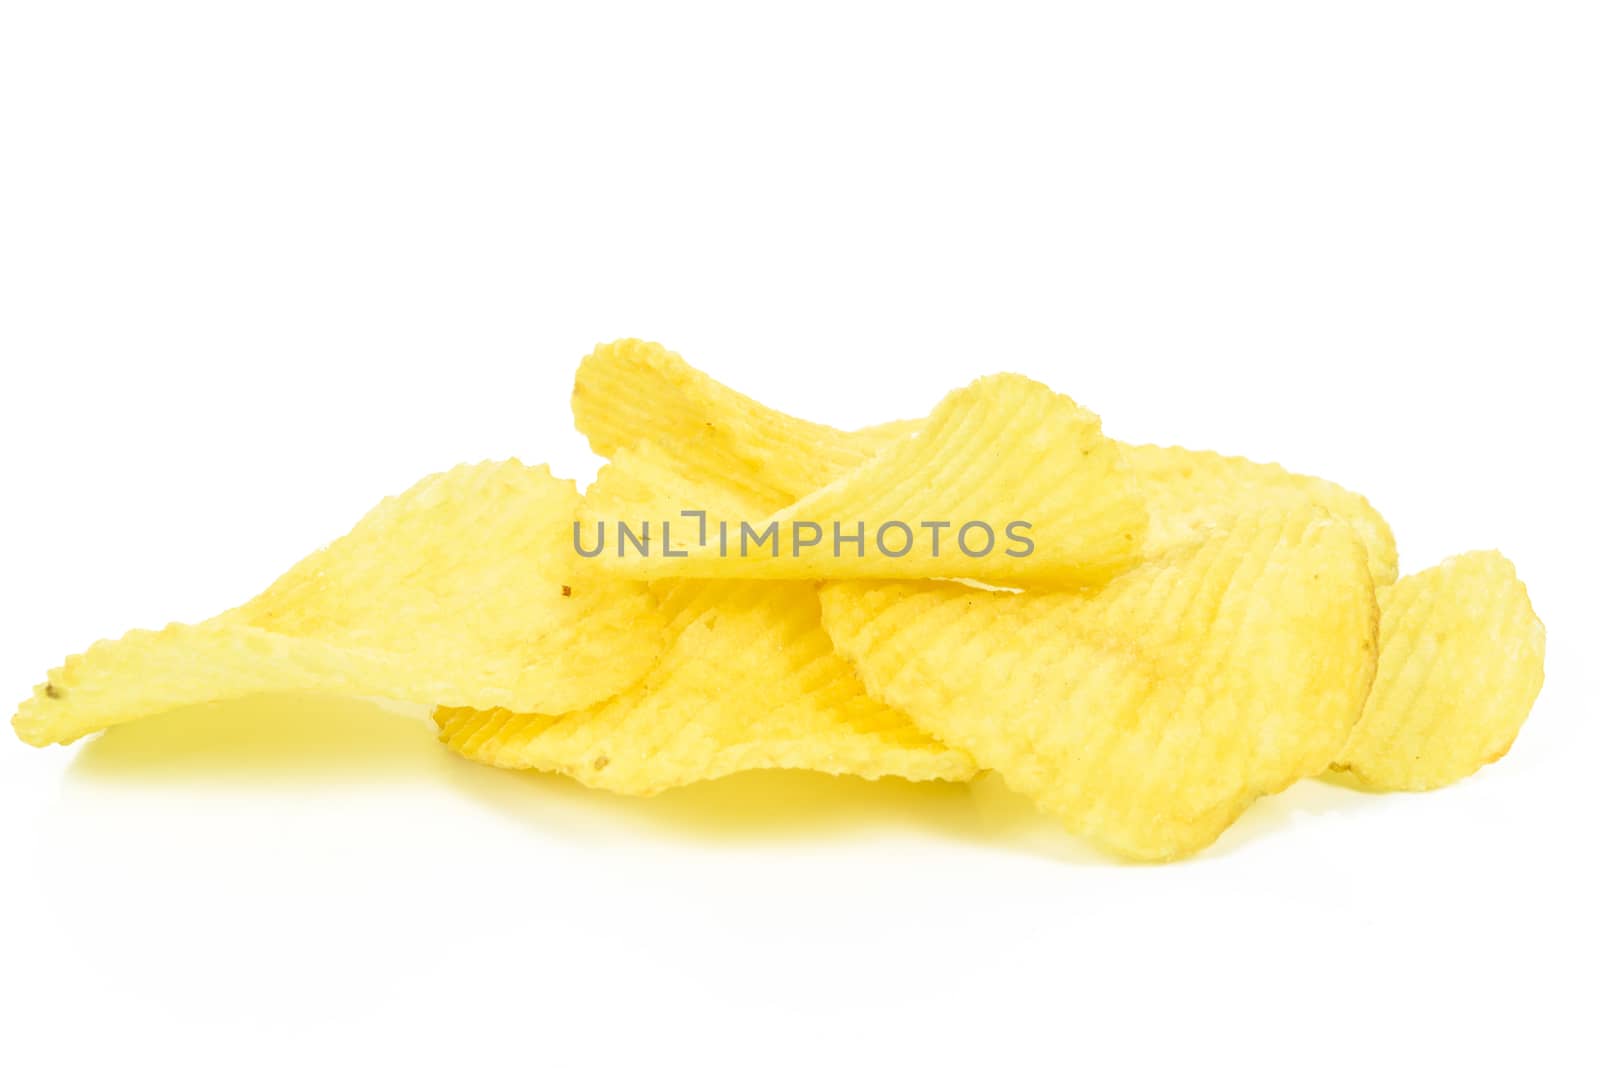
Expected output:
{"points": [[1185, 632]]}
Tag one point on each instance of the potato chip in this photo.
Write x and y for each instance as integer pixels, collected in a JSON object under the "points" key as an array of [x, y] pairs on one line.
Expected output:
{"points": [[750, 681], [1461, 659], [1140, 640], [1190, 492], [1149, 713], [458, 591], [644, 484], [1005, 481], [632, 392]]}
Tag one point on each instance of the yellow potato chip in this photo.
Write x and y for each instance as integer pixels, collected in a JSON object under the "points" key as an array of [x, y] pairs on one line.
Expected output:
{"points": [[1140, 640], [750, 681], [1005, 481], [634, 392], [1461, 659], [1149, 713], [644, 484], [1190, 492], [458, 591]]}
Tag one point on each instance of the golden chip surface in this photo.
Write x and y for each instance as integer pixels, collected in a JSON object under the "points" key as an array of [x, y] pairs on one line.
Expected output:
{"points": [[1005, 482], [750, 681], [1142, 640], [633, 393], [1191, 492], [1460, 663], [1149, 713], [458, 591]]}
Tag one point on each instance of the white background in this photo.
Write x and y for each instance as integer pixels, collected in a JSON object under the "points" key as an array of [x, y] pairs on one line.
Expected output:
{"points": [[261, 265]]}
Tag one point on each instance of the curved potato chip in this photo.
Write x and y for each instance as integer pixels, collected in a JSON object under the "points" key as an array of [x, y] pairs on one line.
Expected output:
{"points": [[1460, 662], [457, 591], [751, 681], [632, 391], [644, 489], [1149, 713], [1005, 481], [1190, 492]]}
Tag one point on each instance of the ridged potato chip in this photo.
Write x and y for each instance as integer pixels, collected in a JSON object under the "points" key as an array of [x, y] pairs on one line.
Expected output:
{"points": [[1006, 480], [458, 591], [1146, 640], [1146, 714], [1460, 662], [750, 681], [644, 484], [1191, 492], [634, 392]]}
